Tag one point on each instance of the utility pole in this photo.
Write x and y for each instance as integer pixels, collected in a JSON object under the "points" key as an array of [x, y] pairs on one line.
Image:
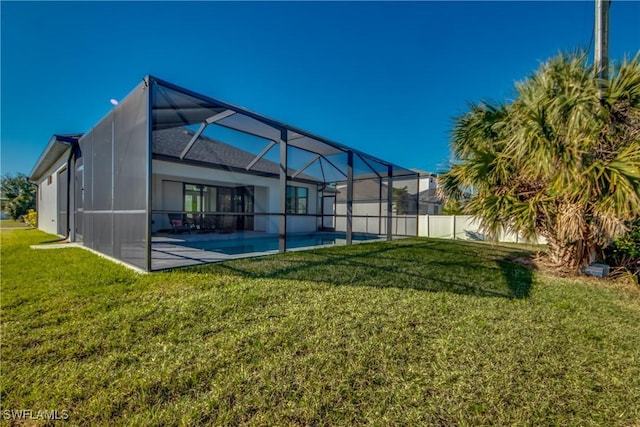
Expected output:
{"points": [[601, 50]]}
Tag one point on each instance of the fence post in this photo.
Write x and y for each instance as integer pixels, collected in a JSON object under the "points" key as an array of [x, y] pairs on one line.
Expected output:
{"points": [[453, 225], [428, 226]]}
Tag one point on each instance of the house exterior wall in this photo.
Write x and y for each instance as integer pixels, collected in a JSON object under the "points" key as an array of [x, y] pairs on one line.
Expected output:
{"points": [[429, 208], [427, 182], [47, 197], [429, 203], [168, 179]]}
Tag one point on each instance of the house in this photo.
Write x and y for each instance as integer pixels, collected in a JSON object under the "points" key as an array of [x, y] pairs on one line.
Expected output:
{"points": [[416, 195], [170, 177], [430, 202]]}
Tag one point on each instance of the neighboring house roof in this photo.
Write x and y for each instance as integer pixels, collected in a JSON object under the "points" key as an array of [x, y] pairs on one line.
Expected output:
{"points": [[57, 146], [429, 196], [423, 172]]}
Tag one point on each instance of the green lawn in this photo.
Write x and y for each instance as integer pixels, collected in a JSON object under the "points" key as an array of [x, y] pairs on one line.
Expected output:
{"points": [[414, 332]]}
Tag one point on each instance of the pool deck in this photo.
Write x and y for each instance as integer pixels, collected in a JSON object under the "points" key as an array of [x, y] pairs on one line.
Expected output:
{"points": [[173, 250]]}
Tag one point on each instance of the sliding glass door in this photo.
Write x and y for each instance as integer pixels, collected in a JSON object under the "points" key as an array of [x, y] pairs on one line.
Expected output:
{"points": [[204, 205], [237, 200]]}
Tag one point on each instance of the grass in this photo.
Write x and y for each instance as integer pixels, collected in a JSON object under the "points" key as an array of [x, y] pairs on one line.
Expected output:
{"points": [[11, 224], [414, 332]]}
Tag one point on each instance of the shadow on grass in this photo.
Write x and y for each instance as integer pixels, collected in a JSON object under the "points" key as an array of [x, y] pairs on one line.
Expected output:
{"points": [[438, 266], [518, 277], [58, 240]]}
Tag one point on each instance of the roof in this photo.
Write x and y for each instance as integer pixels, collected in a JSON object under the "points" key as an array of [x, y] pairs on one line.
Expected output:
{"points": [[429, 196], [169, 143], [57, 146], [423, 172]]}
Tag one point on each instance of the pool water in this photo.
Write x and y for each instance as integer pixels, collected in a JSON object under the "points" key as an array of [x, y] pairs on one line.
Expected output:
{"points": [[270, 243]]}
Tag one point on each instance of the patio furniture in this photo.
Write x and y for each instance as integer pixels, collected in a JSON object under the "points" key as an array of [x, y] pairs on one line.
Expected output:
{"points": [[178, 224]]}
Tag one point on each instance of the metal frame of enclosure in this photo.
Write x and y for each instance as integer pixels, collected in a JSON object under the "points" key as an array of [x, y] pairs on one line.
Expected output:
{"points": [[286, 178]]}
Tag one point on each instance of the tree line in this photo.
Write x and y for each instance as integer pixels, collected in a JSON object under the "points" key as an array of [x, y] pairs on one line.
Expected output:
{"points": [[18, 195]]}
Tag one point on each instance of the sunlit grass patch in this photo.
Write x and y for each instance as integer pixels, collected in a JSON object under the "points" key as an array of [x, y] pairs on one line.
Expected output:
{"points": [[413, 332]]}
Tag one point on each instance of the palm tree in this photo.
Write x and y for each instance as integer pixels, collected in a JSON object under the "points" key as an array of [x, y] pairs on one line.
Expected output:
{"points": [[561, 161]]}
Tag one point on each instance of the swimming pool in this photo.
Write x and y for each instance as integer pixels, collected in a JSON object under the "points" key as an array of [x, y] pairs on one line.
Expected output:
{"points": [[270, 243]]}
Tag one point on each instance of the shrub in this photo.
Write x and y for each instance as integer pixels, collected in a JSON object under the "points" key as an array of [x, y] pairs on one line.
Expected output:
{"points": [[31, 218], [625, 252]]}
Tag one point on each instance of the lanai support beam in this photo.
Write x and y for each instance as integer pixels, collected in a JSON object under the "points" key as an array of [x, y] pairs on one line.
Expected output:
{"points": [[335, 167], [369, 165], [282, 243], [264, 151], [380, 206], [389, 202], [306, 165], [203, 126], [324, 178], [196, 135], [349, 197]]}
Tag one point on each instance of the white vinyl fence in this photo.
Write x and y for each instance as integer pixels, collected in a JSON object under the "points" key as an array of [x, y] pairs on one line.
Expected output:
{"points": [[461, 227]]}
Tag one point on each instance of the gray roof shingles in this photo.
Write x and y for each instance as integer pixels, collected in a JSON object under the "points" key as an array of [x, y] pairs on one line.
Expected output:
{"points": [[171, 142]]}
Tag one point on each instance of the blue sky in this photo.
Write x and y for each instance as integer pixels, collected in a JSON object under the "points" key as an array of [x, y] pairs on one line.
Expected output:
{"points": [[386, 78]]}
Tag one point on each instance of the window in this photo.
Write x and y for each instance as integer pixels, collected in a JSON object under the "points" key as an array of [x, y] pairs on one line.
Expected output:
{"points": [[297, 198]]}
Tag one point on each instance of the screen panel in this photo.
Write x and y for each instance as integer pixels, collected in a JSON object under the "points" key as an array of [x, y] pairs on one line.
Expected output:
{"points": [[405, 199], [111, 208], [86, 217], [102, 181], [102, 171], [131, 178]]}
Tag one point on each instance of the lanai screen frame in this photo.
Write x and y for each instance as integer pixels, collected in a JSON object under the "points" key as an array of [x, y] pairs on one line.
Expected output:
{"points": [[110, 171], [219, 113]]}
